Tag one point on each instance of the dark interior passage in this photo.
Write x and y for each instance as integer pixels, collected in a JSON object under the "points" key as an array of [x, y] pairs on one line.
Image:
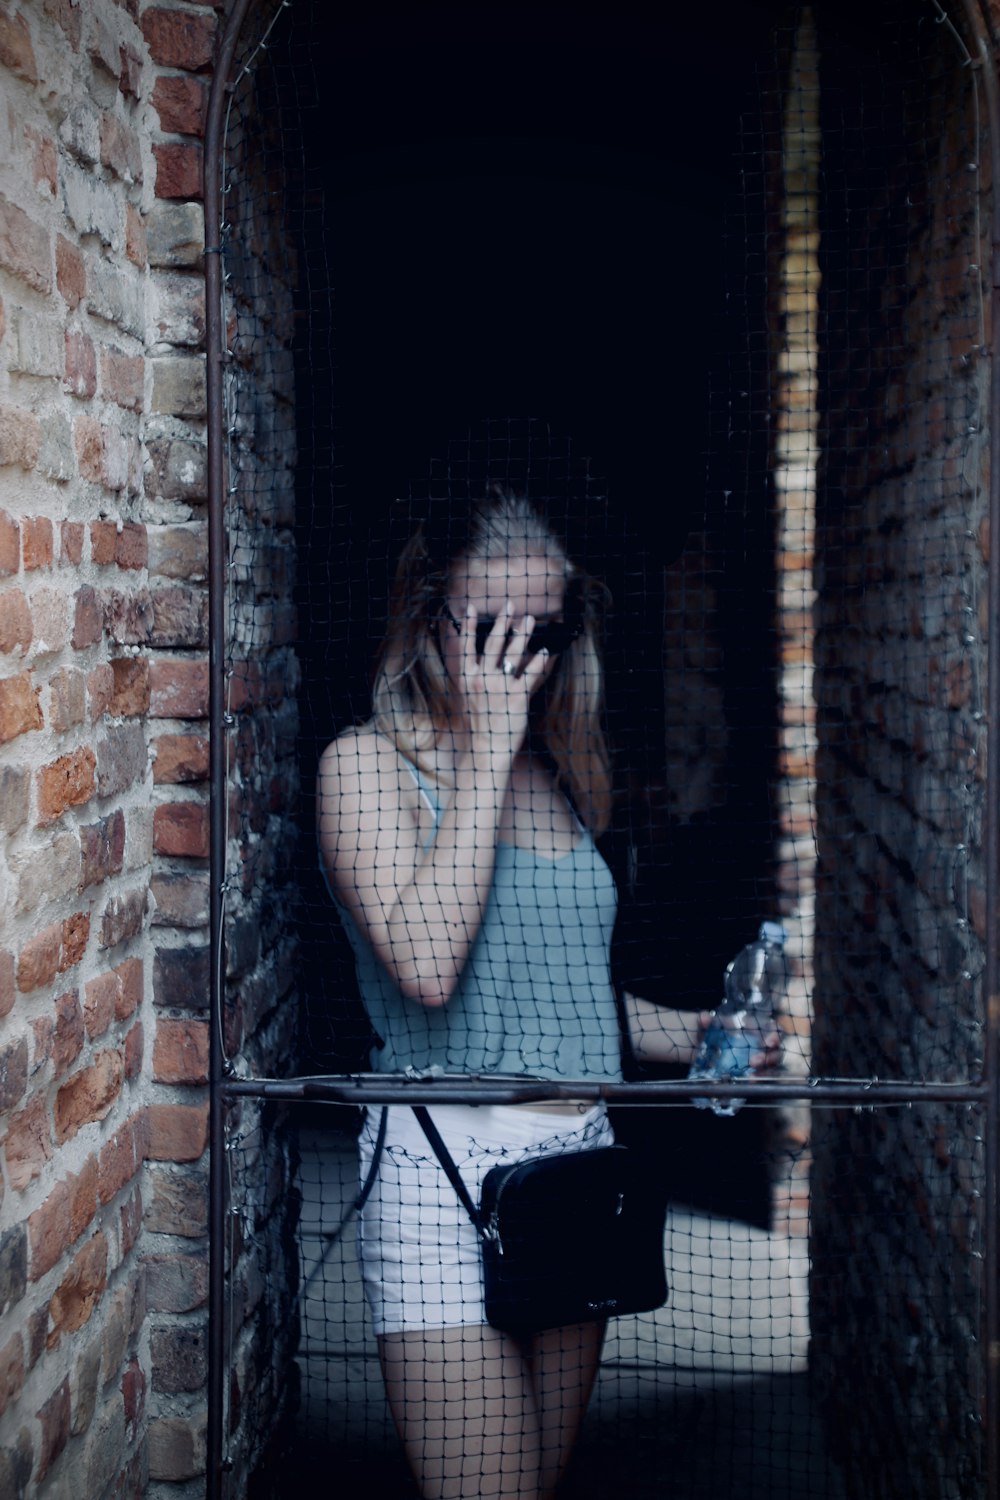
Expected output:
{"points": [[542, 213]]}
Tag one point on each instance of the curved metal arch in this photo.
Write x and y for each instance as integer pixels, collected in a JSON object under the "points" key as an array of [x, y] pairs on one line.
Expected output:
{"points": [[976, 13]]}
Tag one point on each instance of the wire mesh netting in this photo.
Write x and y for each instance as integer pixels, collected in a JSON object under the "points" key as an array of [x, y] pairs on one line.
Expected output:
{"points": [[575, 700]]}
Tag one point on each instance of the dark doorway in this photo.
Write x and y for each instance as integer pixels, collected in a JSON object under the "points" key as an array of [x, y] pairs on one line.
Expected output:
{"points": [[538, 212]]}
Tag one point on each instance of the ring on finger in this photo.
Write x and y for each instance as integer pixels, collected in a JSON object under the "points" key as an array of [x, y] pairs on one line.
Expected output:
{"points": [[509, 667]]}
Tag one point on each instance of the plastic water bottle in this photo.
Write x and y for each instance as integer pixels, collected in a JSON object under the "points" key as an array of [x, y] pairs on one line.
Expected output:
{"points": [[754, 981]]}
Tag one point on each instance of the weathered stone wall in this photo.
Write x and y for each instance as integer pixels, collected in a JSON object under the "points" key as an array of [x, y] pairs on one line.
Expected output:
{"points": [[103, 766], [901, 633]]}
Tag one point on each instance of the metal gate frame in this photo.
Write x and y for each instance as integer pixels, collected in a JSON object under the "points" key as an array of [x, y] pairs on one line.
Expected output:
{"points": [[225, 1089]]}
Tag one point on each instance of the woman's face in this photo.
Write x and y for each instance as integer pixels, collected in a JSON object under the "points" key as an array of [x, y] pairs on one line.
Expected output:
{"points": [[534, 584]]}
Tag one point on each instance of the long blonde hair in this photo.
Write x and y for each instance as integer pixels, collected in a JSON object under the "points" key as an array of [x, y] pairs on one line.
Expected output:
{"points": [[413, 696]]}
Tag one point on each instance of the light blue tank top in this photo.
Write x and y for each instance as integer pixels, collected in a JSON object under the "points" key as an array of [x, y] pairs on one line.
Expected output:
{"points": [[535, 995]]}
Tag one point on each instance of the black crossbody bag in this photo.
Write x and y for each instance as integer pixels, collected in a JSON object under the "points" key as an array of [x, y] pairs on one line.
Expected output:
{"points": [[565, 1239]]}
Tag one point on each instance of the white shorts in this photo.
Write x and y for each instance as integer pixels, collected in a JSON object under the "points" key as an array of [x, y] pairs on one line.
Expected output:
{"points": [[420, 1255]]}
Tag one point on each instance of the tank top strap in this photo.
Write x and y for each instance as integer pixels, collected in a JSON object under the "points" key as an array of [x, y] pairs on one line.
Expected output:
{"points": [[427, 790]]}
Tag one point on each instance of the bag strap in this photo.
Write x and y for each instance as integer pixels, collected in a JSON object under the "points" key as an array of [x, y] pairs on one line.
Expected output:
{"points": [[452, 1173]]}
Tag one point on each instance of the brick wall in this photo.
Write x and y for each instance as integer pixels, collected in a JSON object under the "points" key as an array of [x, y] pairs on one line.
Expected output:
{"points": [[103, 754], [262, 673], [900, 677]]}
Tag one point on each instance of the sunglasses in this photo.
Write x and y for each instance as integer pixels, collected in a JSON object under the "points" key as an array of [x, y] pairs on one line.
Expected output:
{"points": [[552, 636]]}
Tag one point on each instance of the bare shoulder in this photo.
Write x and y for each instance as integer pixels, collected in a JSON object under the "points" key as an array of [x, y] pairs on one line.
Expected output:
{"points": [[355, 759], [363, 780]]}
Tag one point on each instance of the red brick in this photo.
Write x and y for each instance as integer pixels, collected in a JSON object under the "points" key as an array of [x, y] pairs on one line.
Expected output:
{"points": [[36, 543], [180, 103], [121, 1158], [180, 758], [28, 1145], [135, 1051], [88, 618], [67, 1032], [42, 1028], [120, 151], [89, 439], [132, 548], [100, 996], [178, 172], [49, 1230], [130, 973], [130, 696], [103, 541], [25, 248], [71, 275], [133, 1398], [38, 963], [179, 39], [88, 1095], [83, 1197], [75, 936], [10, 545], [177, 1132], [181, 828], [122, 377], [55, 1418], [66, 782], [178, 690], [20, 437], [80, 1290], [102, 849], [180, 1051], [100, 686], [15, 621], [11, 1371], [80, 377], [8, 989], [67, 700], [16, 51], [20, 711]]}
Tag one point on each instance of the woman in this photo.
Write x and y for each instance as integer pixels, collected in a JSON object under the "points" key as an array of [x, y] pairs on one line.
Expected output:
{"points": [[456, 831]]}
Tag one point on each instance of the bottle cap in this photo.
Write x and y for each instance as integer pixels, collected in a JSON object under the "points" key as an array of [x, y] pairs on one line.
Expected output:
{"points": [[773, 933]]}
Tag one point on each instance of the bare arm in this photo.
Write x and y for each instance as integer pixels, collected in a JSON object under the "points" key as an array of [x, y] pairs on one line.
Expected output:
{"points": [[421, 909], [662, 1035], [659, 1034]]}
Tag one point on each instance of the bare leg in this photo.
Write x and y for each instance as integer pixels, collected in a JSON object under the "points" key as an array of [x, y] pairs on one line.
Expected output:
{"points": [[466, 1410], [564, 1363]]}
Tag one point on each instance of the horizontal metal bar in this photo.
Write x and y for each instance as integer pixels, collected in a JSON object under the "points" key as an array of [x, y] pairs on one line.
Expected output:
{"points": [[385, 1088]]}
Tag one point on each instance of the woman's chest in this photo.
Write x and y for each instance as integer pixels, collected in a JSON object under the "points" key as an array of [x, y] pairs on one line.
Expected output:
{"points": [[536, 816]]}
